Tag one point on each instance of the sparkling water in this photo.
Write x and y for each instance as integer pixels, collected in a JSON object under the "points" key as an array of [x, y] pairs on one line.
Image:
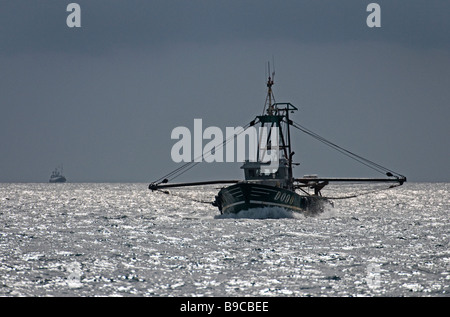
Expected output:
{"points": [[124, 240]]}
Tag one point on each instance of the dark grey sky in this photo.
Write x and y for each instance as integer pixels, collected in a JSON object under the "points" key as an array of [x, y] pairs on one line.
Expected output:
{"points": [[103, 99]]}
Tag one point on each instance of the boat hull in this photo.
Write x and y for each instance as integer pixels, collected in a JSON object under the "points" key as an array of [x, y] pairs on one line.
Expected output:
{"points": [[60, 179], [245, 196]]}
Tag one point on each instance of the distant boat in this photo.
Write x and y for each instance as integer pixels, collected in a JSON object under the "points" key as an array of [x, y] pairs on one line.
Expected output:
{"points": [[57, 176]]}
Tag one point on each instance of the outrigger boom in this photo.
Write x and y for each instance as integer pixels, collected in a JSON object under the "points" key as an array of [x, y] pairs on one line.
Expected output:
{"points": [[307, 181], [162, 185]]}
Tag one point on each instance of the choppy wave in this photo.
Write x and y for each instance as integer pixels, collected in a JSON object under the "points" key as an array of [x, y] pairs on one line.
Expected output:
{"points": [[275, 213], [124, 240], [262, 213]]}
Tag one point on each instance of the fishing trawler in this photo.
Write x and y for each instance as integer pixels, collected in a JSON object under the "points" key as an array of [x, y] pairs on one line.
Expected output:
{"points": [[57, 176], [272, 183]]}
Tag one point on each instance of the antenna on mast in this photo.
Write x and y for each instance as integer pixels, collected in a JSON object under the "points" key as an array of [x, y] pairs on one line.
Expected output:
{"points": [[270, 99], [273, 73]]}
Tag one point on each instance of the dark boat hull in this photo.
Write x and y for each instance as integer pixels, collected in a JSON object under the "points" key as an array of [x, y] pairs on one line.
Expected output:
{"points": [[60, 179], [245, 196]]}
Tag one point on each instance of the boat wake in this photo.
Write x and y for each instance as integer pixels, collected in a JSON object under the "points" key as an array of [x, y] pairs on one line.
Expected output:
{"points": [[262, 213], [277, 213]]}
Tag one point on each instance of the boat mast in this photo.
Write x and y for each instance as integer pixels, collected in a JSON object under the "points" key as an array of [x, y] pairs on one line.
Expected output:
{"points": [[274, 110], [269, 92]]}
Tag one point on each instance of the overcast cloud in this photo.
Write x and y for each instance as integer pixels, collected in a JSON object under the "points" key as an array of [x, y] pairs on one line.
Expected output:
{"points": [[103, 99]]}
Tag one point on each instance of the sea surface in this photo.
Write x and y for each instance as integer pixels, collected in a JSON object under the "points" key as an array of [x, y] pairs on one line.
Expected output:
{"points": [[124, 240]]}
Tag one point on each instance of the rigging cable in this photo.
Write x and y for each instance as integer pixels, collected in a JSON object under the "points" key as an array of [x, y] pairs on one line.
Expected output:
{"points": [[184, 197], [368, 192], [358, 158], [187, 166]]}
